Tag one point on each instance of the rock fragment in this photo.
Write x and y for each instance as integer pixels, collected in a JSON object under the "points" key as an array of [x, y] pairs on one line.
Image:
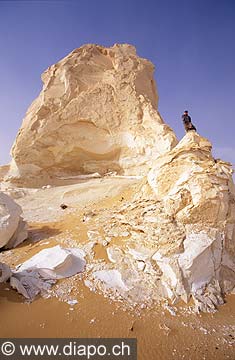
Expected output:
{"points": [[40, 272], [13, 229]]}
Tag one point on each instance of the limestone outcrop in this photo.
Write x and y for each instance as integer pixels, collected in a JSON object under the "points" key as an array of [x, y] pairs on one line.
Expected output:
{"points": [[198, 193], [13, 229], [97, 112], [178, 231]]}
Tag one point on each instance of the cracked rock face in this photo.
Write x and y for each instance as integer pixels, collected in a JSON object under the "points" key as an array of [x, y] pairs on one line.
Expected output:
{"points": [[97, 112], [176, 235], [197, 192], [13, 230]]}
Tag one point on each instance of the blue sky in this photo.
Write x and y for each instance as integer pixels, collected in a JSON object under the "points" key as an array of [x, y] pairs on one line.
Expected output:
{"points": [[190, 42]]}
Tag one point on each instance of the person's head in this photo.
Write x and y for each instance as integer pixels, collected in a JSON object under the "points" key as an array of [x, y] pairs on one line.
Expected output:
{"points": [[186, 112]]}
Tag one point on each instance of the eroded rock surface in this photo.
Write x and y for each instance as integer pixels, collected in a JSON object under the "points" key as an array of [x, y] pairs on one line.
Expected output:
{"points": [[178, 232], [97, 112], [13, 230], [198, 192]]}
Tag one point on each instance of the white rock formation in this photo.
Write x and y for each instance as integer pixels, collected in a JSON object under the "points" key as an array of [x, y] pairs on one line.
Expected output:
{"points": [[97, 112], [13, 230], [40, 272], [198, 192], [178, 231]]}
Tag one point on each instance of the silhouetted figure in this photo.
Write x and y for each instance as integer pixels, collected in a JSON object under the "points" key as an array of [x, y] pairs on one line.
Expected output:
{"points": [[187, 122]]}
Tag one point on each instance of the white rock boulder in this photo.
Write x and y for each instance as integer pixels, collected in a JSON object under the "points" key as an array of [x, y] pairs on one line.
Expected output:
{"points": [[37, 275], [13, 230]]}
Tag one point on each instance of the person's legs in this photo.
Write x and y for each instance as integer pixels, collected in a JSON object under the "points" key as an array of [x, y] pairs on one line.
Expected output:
{"points": [[189, 126]]}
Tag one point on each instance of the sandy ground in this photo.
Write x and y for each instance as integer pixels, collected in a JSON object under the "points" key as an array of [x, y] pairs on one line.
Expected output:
{"points": [[160, 334]]}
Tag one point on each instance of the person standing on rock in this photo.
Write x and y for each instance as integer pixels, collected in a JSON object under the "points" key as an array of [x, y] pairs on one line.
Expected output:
{"points": [[187, 122]]}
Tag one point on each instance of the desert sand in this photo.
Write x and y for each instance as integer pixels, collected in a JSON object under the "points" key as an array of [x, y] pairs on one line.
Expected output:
{"points": [[160, 334]]}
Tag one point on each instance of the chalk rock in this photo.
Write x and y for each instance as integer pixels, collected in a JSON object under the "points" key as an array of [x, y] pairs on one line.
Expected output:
{"points": [[40, 272], [114, 253], [197, 192], [13, 230], [112, 279], [30, 284], [60, 262], [97, 112], [180, 223], [5, 272]]}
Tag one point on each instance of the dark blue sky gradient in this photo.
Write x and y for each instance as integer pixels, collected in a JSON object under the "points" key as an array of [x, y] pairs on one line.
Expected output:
{"points": [[191, 43]]}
